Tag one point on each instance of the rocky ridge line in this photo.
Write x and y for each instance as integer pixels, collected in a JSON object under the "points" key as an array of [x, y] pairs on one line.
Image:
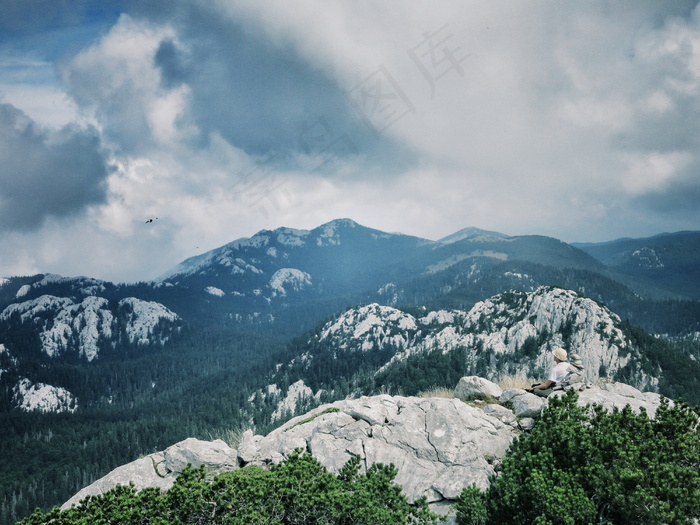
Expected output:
{"points": [[439, 446]]}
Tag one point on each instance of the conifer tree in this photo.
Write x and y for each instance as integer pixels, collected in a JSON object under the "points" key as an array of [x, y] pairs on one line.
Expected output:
{"points": [[588, 465]]}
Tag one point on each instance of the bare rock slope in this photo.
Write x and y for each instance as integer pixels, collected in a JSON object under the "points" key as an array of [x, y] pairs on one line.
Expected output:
{"points": [[439, 446]]}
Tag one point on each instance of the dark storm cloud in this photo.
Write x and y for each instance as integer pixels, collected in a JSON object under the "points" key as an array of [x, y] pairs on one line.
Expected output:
{"points": [[680, 197], [263, 102], [46, 173], [173, 62], [260, 96]]}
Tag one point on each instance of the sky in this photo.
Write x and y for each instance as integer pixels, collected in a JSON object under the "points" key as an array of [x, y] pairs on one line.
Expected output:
{"points": [[135, 134]]}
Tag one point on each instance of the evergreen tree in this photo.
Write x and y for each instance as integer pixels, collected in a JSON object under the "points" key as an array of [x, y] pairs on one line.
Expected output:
{"points": [[298, 491], [581, 466]]}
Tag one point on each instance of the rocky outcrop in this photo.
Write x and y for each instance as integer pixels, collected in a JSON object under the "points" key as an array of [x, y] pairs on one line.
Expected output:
{"points": [[64, 325], [511, 334], [474, 387], [161, 468], [438, 446], [618, 395]]}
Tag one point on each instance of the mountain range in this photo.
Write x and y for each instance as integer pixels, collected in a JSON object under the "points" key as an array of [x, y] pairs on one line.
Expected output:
{"points": [[264, 327], [375, 348], [285, 281]]}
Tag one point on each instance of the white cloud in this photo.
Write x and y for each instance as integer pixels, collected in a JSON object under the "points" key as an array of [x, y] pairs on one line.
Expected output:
{"points": [[551, 100], [116, 79], [29, 84], [652, 171], [47, 105], [538, 117]]}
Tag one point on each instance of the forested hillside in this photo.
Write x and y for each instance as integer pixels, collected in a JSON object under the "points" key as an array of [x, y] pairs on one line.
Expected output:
{"points": [[196, 387], [231, 339]]}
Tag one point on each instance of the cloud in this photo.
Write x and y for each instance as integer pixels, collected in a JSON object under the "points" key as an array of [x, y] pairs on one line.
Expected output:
{"points": [[223, 118], [263, 98], [46, 173], [538, 105], [174, 63], [117, 81], [678, 197]]}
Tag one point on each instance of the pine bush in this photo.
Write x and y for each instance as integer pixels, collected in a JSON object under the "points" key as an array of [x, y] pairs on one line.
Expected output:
{"points": [[298, 491], [587, 465]]}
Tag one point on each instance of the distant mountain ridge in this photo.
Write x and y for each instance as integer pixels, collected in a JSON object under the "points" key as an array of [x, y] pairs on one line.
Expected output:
{"points": [[264, 279], [671, 260], [284, 281], [466, 233], [510, 334]]}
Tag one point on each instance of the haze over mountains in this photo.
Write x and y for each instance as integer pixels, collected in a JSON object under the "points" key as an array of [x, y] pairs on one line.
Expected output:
{"points": [[285, 281]]}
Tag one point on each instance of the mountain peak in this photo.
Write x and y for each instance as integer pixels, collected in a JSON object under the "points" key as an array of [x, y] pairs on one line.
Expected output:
{"points": [[470, 232], [329, 233], [340, 223]]}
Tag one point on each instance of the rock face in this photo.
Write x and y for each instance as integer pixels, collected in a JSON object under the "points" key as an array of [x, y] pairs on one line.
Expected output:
{"points": [[161, 468], [438, 446], [510, 334], [64, 325], [30, 396], [474, 387]]}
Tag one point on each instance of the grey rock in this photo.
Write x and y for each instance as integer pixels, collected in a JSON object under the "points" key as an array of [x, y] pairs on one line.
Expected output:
{"points": [[524, 404], [509, 394], [501, 413], [438, 446], [144, 472], [445, 510], [248, 448], [617, 395], [214, 455], [474, 387], [527, 424], [161, 468]]}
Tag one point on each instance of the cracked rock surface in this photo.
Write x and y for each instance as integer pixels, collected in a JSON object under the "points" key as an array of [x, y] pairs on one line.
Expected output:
{"points": [[438, 446], [161, 468]]}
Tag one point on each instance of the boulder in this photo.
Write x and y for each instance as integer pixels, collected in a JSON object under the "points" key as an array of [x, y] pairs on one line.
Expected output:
{"points": [[617, 395], [161, 468], [527, 424], [439, 446], [144, 472], [474, 387], [501, 413], [523, 404], [214, 455]]}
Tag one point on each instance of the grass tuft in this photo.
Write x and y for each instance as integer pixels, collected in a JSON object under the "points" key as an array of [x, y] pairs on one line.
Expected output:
{"points": [[231, 436], [438, 391], [507, 382]]}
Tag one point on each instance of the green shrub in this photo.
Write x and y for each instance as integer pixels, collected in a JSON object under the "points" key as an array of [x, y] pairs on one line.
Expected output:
{"points": [[581, 466], [298, 491]]}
